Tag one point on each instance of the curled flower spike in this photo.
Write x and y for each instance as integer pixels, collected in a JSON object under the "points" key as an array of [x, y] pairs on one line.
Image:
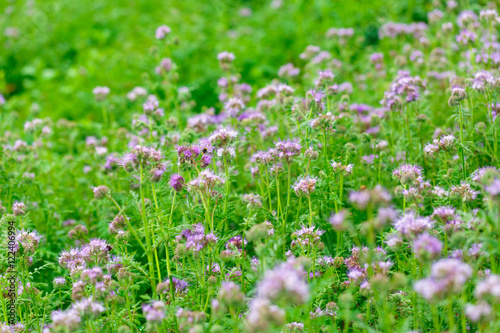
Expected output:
{"points": [[304, 187], [338, 167], [407, 173], [252, 200], [287, 150], [19, 208], [458, 94], [100, 191], [29, 240], [464, 192]]}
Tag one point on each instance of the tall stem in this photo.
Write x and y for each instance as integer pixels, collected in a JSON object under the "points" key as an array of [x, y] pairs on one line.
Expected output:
{"points": [[146, 232], [289, 187], [451, 317], [268, 190], [157, 208], [408, 133], [435, 319], [227, 190], [310, 211], [462, 141]]}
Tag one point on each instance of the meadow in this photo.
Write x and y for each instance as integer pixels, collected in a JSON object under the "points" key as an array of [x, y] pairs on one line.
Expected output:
{"points": [[249, 166]]}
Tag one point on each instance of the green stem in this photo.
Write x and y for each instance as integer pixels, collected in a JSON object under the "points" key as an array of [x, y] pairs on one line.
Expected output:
{"points": [[227, 190], [462, 142], [146, 232], [451, 316], [128, 223], [310, 211], [435, 319]]}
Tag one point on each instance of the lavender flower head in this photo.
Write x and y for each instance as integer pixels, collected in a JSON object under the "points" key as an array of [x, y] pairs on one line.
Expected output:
{"points": [[458, 94], [482, 80], [180, 286], [314, 99], [154, 312], [225, 60], [407, 173], [338, 220], [18, 208], [338, 167], [286, 282], [489, 289], [304, 187], [481, 312], [222, 137], [427, 247], [29, 240], [68, 320], [444, 213], [307, 236], [205, 183], [230, 295], [176, 182], [59, 282], [493, 189], [196, 239], [464, 191], [263, 315], [162, 32], [287, 150], [100, 93], [252, 200], [448, 276], [412, 225], [234, 106]]}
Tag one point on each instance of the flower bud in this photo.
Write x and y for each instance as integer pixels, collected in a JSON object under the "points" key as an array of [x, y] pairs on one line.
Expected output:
{"points": [[100, 191]]}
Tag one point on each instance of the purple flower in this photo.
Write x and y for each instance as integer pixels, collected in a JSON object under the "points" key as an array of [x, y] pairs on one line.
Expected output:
{"points": [[412, 225], [100, 93], [305, 186], [177, 182], [444, 213], [288, 71], [482, 79], [407, 173], [162, 32], [494, 188], [230, 295], [427, 247], [180, 286], [154, 312], [464, 191], [489, 289], [196, 239], [448, 276], [479, 312], [285, 282], [306, 236], [286, 150], [338, 221], [18, 208], [466, 37]]}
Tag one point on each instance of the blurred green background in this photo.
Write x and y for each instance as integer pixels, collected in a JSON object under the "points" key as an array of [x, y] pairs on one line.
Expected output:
{"points": [[54, 52]]}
